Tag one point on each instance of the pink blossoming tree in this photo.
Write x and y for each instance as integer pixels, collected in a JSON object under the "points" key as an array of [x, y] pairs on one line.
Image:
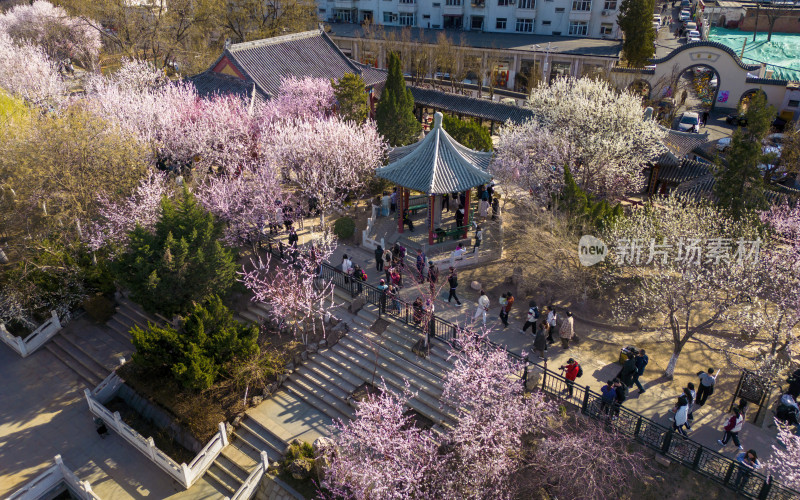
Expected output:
{"points": [[785, 460], [303, 98], [27, 72]]}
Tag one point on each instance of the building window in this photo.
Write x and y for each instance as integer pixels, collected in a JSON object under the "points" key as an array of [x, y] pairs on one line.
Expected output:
{"points": [[406, 19], [343, 16], [502, 3], [556, 33], [501, 23], [581, 5], [610, 5], [407, 1], [437, 4], [793, 104], [606, 29], [524, 26], [526, 4], [452, 22], [476, 23], [452, 2], [579, 28], [426, 16], [559, 9], [389, 17], [545, 23], [321, 11]]}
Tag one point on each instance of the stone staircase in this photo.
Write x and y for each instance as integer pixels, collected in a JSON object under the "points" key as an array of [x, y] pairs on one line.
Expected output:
{"points": [[93, 351], [237, 460]]}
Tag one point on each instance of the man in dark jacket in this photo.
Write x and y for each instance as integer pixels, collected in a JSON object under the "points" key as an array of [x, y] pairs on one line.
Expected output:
{"points": [[628, 371], [641, 362], [452, 280]]}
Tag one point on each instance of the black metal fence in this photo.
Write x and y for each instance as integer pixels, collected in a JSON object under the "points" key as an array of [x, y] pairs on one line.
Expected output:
{"points": [[711, 464]]}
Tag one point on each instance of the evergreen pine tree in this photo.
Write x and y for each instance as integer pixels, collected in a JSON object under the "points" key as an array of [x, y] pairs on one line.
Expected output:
{"points": [[468, 132], [395, 111], [351, 98], [181, 263], [636, 22], [740, 184]]}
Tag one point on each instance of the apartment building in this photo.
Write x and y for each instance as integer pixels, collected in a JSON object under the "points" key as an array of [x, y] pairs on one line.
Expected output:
{"points": [[577, 18]]}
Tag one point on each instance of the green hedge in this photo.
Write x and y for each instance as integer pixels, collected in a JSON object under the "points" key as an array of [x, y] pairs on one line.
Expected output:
{"points": [[344, 228]]}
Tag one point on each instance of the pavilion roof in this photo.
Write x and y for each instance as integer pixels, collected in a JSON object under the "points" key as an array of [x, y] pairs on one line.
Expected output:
{"points": [[437, 164]]}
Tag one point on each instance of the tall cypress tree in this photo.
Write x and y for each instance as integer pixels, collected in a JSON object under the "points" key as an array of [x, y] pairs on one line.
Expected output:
{"points": [[636, 22], [740, 184], [395, 112]]}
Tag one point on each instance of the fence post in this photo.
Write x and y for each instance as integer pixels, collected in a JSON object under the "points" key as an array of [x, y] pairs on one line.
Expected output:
{"points": [[667, 441], [638, 427], [697, 457], [23, 349], [585, 405], [117, 420], [432, 327], [764, 492], [728, 474], [56, 322], [265, 461], [151, 448], [223, 434], [186, 475], [544, 378]]}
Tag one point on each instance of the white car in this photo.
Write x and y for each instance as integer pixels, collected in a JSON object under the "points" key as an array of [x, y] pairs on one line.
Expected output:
{"points": [[690, 26], [657, 18], [685, 15], [690, 122], [713, 82], [723, 144], [692, 36]]}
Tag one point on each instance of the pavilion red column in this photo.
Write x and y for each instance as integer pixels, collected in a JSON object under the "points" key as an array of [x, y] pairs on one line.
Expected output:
{"points": [[466, 212], [431, 208], [400, 204], [407, 193]]}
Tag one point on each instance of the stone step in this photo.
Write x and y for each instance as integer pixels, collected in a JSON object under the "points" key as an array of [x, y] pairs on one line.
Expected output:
{"points": [[87, 376], [329, 382], [426, 393], [81, 356], [317, 392], [131, 317], [240, 457], [403, 349], [120, 330], [250, 316], [260, 308], [351, 361], [365, 340], [138, 312], [402, 336], [328, 362], [235, 470], [258, 312], [222, 479], [267, 440]]}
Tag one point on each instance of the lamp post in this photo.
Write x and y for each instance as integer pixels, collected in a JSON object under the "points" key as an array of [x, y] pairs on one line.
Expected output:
{"points": [[546, 59]]}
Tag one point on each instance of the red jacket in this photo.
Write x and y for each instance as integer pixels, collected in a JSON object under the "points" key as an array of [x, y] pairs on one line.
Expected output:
{"points": [[572, 371]]}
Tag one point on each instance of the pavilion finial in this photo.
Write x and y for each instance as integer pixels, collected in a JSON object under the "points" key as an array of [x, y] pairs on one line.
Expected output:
{"points": [[437, 120]]}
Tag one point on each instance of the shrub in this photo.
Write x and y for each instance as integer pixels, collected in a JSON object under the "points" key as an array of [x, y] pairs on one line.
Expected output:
{"points": [[181, 263], [344, 228], [195, 355], [468, 132], [598, 214]]}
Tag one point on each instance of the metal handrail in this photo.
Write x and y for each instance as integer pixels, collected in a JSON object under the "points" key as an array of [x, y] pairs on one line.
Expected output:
{"points": [[708, 462]]}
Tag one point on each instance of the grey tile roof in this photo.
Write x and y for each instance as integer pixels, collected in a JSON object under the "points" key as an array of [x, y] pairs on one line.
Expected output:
{"points": [[266, 62], [470, 106], [687, 170], [703, 188], [437, 164], [501, 41], [209, 82], [682, 143]]}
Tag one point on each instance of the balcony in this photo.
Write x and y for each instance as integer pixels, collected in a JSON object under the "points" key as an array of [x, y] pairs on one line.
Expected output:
{"points": [[452, 10], [408, 8], [580, 15], [477, 4]]}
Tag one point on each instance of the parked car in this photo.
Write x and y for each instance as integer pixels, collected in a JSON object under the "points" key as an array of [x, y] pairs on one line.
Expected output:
{"points": [[714, 82], [657, 19], [736, 119], [656, 26], [692, 36], [685, 15], [723, 144], [689, 122], [690, 26], [776, 139], [686, 4]]}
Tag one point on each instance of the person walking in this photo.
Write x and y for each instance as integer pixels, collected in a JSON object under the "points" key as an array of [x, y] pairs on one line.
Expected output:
{"points": [[571, 371], [452, 280], [407, 221], [347, 267], [641, 363], [622, 395], [705, 118], [483, 307], [418, 311], [732, 428], [387, 259], [383, 287], [567, 330], [433, 276], [506, 309], [689, 392], [393, 201], [707, 382], [533, 316], [628, 371], [552, 320], [446, 202], [478, 238], [394, 294], [421, 265], [681, 412], [540, 338], [379, 258], [293, 238], [608, 397]]}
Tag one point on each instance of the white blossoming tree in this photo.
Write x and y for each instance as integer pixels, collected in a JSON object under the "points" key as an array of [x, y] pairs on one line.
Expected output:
{"points": [[687, 265]]}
